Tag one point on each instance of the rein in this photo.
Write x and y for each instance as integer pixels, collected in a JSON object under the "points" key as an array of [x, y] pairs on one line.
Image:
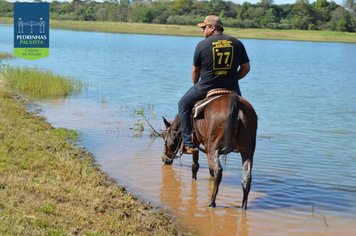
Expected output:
{"points": [[179, 144], [178, 148]]}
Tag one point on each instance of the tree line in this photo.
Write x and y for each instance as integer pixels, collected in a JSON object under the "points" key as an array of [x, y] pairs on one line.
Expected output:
{"points": [[318, 15]]}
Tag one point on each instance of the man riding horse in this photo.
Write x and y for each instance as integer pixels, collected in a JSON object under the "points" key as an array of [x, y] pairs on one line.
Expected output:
{"points": [[219, 61], [227, 122]]}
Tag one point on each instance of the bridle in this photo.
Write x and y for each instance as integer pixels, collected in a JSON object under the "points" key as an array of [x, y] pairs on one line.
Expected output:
{"points": [[179, 144]]}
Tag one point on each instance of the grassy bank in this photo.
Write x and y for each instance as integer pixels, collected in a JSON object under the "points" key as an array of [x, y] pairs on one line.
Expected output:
{"points": [[40, 84], [48, 186], [181, 30], [4, 55]]}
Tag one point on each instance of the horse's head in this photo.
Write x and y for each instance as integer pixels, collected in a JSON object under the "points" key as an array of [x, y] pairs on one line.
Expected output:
{"points": [[172, 139]]}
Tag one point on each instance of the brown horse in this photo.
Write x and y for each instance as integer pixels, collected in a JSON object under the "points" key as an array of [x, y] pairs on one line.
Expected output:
{"points": [[228, 124]]}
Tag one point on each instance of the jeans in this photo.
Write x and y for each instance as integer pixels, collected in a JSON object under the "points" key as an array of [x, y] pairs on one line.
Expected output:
{"points": [[185, 107]]}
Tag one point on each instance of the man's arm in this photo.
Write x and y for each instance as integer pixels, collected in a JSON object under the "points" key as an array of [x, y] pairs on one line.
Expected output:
{"points": [[244, 69], [195, 74]]}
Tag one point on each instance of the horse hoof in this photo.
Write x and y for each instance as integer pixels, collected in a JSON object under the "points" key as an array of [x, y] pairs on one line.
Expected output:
{"points": [[168, 162], [244, 207], [212, 205]]}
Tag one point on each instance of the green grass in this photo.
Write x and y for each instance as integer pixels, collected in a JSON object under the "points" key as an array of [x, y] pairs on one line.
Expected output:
{"points": [[40, 84], [48, 186], [6, 20], [183, 30]]}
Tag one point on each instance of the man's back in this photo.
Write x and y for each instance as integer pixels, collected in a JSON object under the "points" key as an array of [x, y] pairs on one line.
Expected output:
{"points": [[219, 57]]}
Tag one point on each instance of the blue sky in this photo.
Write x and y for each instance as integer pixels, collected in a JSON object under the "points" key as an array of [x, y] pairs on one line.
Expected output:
{"points": [[340, 2]]}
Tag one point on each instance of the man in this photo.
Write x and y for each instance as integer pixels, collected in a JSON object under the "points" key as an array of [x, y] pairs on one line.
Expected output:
{"points": [[219, 61]]}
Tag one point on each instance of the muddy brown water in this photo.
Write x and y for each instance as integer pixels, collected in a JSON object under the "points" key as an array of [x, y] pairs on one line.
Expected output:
{"points": [[277, 206], [138, 166]]}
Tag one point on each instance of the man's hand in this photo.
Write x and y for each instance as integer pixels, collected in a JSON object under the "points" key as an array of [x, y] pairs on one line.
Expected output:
{"points": [[244, 69]]}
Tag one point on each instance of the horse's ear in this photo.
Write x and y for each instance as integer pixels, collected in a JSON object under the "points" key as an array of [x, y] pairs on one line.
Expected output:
{"points": [[166, 122]]}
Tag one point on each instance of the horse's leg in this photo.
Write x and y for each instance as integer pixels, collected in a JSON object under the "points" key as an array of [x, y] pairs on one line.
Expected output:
{"points": [[216, 166], [211, 171], [247, 159], [195, 165]]}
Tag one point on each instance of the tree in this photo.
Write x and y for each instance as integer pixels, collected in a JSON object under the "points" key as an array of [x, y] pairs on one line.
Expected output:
{"points": [[140, 13], [218, 7], [77, 1], [302, 15], [6, 8], [241, 12], [201, 8], [183, 6], [89, 14], [319, 15], [322, 10], [350, 5], [160, 12], [341, 20], [125, 3], [266, 3], [115, 12], [269, 19]]}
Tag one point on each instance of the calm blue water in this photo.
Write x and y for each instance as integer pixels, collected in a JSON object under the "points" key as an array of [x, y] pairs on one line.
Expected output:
{"points": [[303, 92]]}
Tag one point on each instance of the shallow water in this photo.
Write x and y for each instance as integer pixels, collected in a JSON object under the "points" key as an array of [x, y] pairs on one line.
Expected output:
{"points": [[305, 161]]}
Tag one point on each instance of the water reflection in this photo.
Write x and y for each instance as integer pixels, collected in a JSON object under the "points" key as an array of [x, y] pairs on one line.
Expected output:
{"points": [[304, 170], [189, 201]]}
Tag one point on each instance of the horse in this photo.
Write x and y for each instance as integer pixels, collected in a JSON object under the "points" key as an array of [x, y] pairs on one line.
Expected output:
{"points": [[227, 124]]}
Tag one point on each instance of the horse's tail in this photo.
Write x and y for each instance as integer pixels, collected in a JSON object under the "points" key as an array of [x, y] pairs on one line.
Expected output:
{"points": [[231, 124]]}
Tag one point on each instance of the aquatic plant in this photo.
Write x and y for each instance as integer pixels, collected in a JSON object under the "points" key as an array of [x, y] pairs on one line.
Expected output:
{"points": [[138, 126], [40, 84]]}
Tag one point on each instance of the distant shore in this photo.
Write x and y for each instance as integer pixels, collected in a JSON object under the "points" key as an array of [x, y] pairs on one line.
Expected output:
{"points": [[183, 30]]}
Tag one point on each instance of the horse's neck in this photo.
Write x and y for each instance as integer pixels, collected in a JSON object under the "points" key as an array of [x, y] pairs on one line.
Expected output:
{"points": [[176, 123]]}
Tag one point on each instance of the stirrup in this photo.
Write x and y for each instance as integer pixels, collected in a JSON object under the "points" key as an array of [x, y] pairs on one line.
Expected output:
{"points": [[189, 150]]}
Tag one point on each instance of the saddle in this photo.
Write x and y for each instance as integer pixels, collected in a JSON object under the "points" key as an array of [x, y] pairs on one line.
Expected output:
{"points": [[213, 94]]}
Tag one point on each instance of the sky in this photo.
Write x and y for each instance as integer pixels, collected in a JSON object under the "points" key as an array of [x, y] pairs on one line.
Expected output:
{"points": [[340, 2]]}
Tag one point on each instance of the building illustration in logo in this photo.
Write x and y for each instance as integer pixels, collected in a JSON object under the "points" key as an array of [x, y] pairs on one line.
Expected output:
{"points": [[21, 24]]}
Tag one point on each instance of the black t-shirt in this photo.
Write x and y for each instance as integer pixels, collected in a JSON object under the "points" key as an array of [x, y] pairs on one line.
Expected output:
{"points": [[219, 57]]}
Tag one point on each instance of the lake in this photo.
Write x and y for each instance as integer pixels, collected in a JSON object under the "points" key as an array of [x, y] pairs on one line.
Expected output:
{"points": [[304, 94]]}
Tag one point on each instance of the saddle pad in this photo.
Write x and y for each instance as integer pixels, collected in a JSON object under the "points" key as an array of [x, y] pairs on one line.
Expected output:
{"points": [[200, 106]]}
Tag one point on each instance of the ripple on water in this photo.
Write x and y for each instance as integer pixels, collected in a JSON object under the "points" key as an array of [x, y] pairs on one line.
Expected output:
{"points": [[304, 166]]}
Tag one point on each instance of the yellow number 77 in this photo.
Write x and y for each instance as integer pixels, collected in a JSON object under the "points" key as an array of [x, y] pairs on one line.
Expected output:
{"points": [[221, 55]]}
